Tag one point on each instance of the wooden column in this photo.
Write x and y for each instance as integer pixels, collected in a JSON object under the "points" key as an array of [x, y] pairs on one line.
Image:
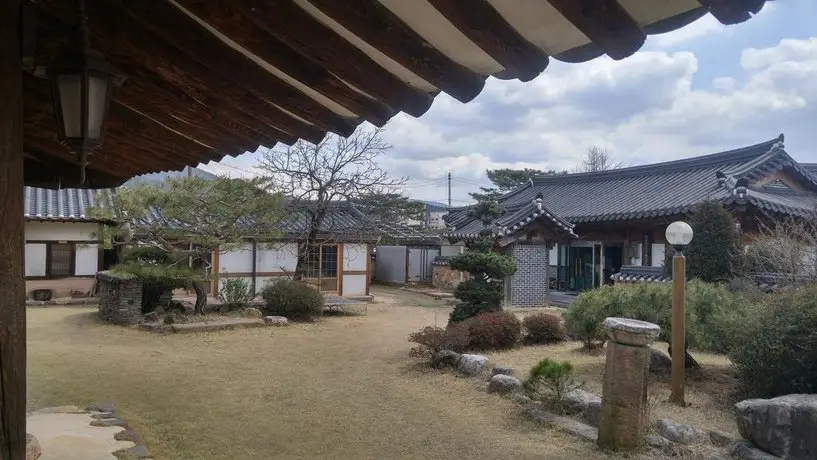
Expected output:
{"points": [[12, 278]]}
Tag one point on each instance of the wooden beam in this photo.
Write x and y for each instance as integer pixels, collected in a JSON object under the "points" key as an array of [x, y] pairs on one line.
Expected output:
{"points": [[214, 122], [183, 32], [43, 170], [12, 276], [235, 21], [483, 25], [730, 12], [290, 24], [382, 29], [606, 23]]}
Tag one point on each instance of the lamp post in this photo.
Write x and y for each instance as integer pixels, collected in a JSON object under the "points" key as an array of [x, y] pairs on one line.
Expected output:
{"points": [[679, 234], [81, 85]]}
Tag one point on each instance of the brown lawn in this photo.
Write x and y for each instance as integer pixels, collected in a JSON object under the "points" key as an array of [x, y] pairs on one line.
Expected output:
{"points": [[341, 388]]}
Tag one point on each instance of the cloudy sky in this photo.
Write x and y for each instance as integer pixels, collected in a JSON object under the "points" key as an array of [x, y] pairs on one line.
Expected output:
{"points": [[701, 89]]}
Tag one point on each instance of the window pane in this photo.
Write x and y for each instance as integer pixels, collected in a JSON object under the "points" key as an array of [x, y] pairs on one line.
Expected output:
{"points": [[329, 261], [312, 260], [61, 260]]}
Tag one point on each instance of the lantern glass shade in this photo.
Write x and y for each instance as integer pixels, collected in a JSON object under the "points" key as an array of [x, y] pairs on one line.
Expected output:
{"points": [[679, 233], [81, 86]]}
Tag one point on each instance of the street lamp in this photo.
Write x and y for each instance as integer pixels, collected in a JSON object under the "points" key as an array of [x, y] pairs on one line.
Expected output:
{"points": [[81, 86], [679, 234]]}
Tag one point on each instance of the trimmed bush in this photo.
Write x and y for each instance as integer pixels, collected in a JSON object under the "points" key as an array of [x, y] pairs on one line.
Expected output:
{"points": [[776, 350], [431, 340], [482, 292], [544, 328], [713, 313], [493, 331], [551, 381], [236, 293], [295, 300]]}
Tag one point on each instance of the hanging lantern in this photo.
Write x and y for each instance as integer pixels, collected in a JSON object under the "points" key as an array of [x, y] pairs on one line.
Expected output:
{"points": [[81, 86]]}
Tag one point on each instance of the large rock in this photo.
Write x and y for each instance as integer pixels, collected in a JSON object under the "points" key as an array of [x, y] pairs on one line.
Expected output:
{"points": [[251, 312], [471, 364], [501, 369], [784, 426], [585, 403], [660, 362], [678, 432], [445, 358], [33, 449], [503, 384], [276, 320]]}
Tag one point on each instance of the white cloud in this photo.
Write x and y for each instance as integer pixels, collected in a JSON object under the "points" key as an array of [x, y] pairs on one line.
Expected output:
{"points": [[705, 26]]}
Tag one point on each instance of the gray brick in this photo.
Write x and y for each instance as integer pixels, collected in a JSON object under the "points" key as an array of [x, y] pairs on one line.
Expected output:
{"points": [[528, 287], [120, 299]]}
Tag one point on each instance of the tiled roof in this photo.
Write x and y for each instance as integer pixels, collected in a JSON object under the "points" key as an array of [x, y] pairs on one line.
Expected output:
{"points": [[636, 274], [67, 205], [664, 189], [516, 221]]}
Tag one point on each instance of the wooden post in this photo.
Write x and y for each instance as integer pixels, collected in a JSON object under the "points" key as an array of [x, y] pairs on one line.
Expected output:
{"points": [[678, 327], [12, 277]]}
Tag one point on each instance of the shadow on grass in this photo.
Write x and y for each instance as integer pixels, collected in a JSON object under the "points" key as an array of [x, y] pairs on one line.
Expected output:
{"points": [[85, 319]]}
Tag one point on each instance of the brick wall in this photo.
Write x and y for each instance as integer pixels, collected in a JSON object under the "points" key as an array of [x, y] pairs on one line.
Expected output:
{"points": [[528, 287], [120, 299], [443, 277]]}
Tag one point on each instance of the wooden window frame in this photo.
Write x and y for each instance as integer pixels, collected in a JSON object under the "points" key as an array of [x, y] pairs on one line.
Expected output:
{"points": [[48, 244]]}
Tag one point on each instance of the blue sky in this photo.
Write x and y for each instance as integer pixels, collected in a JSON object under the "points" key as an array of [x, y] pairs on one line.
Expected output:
{"points": [[701, 89]]}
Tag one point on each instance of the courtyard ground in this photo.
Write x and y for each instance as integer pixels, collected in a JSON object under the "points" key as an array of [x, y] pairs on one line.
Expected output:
{"points": [[341, 388]]}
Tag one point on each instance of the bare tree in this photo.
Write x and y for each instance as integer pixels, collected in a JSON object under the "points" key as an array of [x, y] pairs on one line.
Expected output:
{"points": [[315, 177], [786, 250], [597, 159]]}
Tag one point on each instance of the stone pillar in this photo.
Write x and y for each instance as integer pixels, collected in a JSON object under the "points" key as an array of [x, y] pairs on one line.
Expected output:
{"points": [[624, 398]]}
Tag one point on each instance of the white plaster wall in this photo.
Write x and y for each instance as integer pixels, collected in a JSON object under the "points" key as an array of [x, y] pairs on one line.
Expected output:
{"points": [[87, 259], [236, 261], [276, 257], [554, 255], [355, 257], [262, 281], [61, 231], [451, 250], [354, 285], [35, 259], [658, 255]]}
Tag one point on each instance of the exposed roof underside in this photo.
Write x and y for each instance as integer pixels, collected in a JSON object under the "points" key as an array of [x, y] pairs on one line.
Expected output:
{"points": [[667, 189], [212, 78]]}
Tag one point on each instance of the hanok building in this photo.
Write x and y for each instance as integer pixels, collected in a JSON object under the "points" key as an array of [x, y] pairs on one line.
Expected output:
{"points": [[577, 231]]}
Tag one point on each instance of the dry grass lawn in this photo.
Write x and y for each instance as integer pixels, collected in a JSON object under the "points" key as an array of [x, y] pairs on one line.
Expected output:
{"points": [[342, 388]]}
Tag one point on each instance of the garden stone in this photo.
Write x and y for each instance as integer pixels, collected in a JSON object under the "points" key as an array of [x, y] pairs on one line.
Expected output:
{"points": [[276, 320], [784, 426], [677, 432], [501, 369], [503, 384], [471, 364], [115, 421], [720, 439], [251, 312], [445, 357], [660, 362], [33, 448], [139, 451], [742, 450], [585, 403], [102, 407]]}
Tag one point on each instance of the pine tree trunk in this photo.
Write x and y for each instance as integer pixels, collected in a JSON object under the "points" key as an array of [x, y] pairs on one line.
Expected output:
{"points": [[201, 297]]}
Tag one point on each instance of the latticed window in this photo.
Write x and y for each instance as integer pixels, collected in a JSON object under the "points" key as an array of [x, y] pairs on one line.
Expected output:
{"points": [[60, 260], [322, 266]]}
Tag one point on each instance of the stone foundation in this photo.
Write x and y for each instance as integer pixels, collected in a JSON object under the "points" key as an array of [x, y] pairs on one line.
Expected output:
{"points": [[120, 299]]}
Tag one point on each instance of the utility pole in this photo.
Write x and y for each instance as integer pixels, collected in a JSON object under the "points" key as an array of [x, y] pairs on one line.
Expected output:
{"points": [[449, 191]]}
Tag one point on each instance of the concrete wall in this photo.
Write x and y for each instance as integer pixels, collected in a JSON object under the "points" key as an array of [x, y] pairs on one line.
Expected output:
{"points": [[391, 264]]}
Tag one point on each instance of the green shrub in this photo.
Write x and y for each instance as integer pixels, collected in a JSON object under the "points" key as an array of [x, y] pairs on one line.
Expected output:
{"points": [[236, 292], [463, 311], [544, 328], [776, 350], [551, 381], [294, 299], [713, 313], [483, 291], [493, 331], [156, 279], [431, 340]]}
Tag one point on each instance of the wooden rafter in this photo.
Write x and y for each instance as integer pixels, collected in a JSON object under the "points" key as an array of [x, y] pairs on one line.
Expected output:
{"points": [[606, 23], [378, 26], [290, 24], [733, 11], [481, 23], [236, 22], [183, 32]]}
